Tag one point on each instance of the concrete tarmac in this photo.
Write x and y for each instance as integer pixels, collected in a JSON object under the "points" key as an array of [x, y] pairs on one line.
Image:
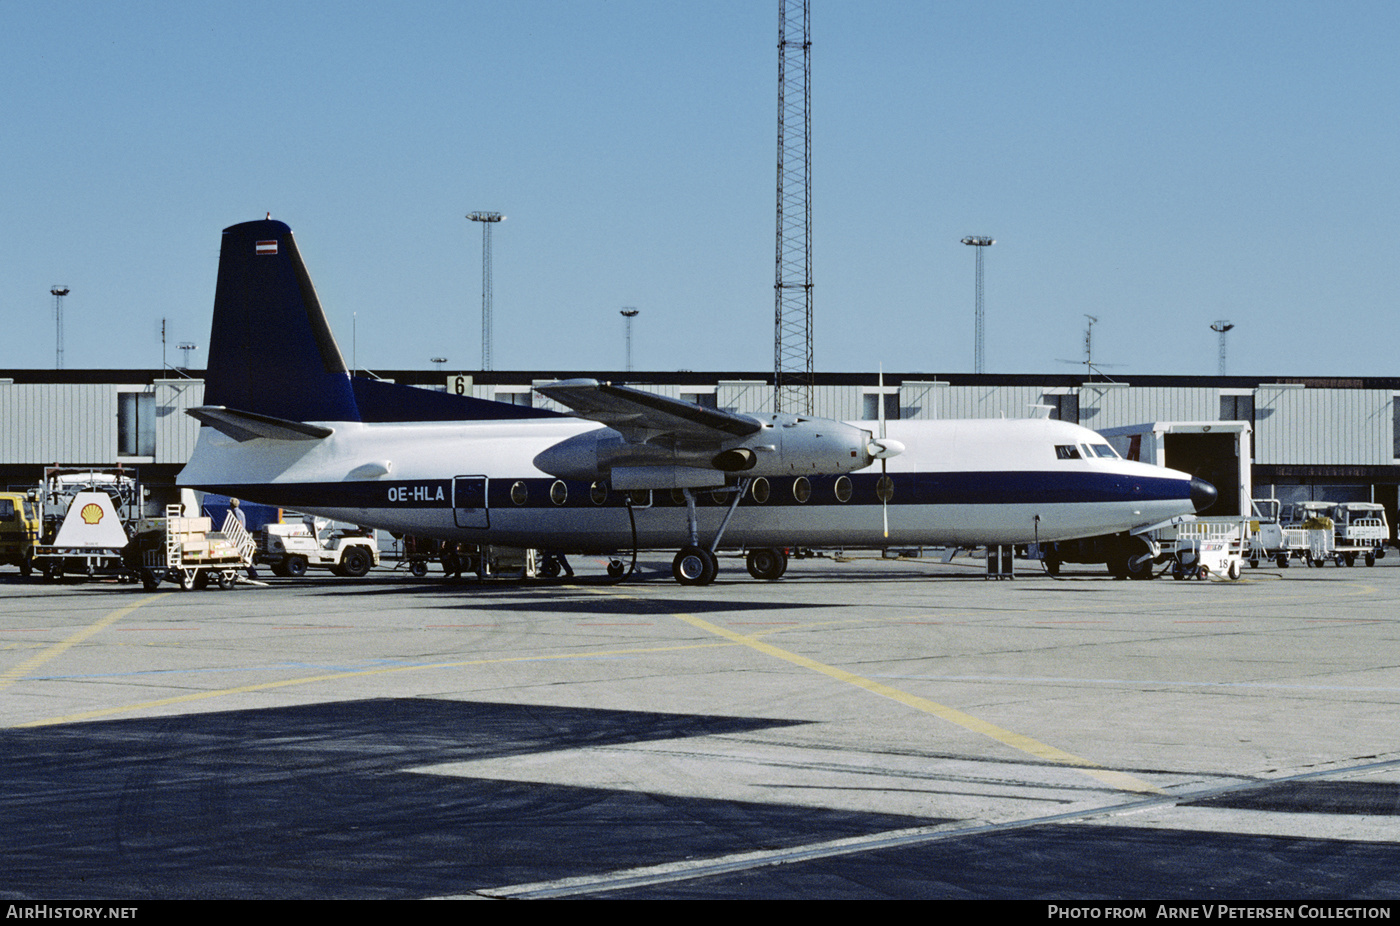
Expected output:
{"points": [[863, 729]]}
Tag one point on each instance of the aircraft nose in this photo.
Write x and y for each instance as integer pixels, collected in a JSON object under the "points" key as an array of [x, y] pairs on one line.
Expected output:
{"points": [[1203, 494]]}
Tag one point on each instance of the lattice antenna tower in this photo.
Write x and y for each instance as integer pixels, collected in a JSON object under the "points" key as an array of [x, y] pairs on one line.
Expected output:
{"points": [[979, 350], [792, 286], [487, 220], [58, 291]]}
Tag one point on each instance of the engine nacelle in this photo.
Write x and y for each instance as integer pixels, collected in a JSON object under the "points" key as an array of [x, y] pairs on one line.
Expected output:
{"points": [[785, 445]]}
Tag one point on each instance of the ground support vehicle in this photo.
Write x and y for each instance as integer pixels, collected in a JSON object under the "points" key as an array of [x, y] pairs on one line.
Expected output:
{"points": [[1360, 530], [189, 552], [1320, 543], [20, 524], [1206, 548], [418, 552], [89, 517], [90, 540], [292, 548], [1309, 532]]}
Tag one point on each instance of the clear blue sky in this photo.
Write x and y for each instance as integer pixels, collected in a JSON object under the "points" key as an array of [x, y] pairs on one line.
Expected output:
{"points": [[1158, 165]]}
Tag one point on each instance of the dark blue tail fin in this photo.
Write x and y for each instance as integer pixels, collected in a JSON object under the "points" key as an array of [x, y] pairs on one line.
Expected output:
{"points": [[272, 354], [271, 351]]}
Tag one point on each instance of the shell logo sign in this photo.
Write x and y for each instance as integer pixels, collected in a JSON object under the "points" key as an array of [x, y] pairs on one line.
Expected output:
{"points": [[91, 513]]}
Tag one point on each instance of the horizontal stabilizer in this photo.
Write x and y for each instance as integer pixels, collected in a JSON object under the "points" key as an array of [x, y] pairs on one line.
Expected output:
{"points": [[246, 426]]}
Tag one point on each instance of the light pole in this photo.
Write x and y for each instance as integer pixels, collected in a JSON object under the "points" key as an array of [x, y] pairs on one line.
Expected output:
{"points": [[58, 291], [487, 219], [1221, 327], [629, 313], [979, 351]]}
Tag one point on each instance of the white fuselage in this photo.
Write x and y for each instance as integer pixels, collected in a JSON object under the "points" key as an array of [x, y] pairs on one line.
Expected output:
{"points": [[965, 483]]}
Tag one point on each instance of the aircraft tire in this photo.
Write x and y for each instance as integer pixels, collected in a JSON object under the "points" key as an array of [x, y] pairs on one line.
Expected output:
{"points": [[295, 566], [355, 563], [418, 569], [694, 566], [150, 579], [617, 569], [767, 564]]}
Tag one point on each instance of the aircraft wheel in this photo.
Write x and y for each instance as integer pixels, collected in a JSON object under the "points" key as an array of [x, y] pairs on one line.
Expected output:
{"points": [[295, 566], [1137, 560], [694, 566], [550, 568], [767, 564], [150, 579], [1052, 565], [418, 569], [617, 569], [355, 563]]}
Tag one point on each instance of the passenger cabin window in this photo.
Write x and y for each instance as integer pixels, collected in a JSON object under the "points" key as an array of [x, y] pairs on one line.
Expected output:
{"points": [[1067, 452]]}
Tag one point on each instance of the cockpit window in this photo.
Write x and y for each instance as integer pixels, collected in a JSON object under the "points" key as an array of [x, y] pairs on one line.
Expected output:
{"points": [[1104, 450], [1067, 452]]}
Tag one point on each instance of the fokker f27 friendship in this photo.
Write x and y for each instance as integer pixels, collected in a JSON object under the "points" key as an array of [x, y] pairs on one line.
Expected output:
{"points": [[285, 423]]}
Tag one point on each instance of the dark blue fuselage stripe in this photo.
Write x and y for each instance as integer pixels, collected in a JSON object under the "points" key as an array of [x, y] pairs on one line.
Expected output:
{"points": [[967, 488]]}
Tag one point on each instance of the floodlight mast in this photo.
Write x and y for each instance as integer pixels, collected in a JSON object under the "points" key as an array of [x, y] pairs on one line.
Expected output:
{"points": [[1221, 327], [629, 313], [979, 349], [58, 291], [487, 219]]}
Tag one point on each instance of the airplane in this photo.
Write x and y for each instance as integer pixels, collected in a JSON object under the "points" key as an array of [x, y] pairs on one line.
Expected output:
{"points": [[285, 423]]}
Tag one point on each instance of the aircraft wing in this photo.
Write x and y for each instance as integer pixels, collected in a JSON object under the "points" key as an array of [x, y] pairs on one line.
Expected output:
{"points": [[642, 417]]}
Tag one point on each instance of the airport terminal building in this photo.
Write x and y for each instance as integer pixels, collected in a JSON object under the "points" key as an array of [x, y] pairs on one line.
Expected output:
{"points": [[1334, 439]]}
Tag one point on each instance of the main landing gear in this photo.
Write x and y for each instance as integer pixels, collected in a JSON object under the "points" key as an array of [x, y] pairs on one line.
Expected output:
{"points": [[697, 565]]}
